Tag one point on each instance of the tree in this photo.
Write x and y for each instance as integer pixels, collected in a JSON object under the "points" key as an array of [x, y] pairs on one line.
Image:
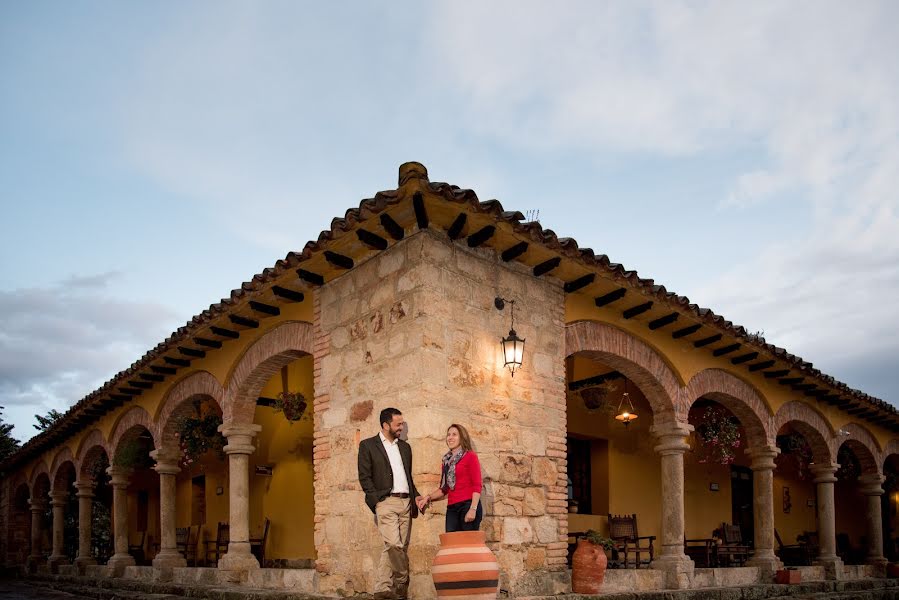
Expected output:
{"points": [[45, 422], [8, 444]]}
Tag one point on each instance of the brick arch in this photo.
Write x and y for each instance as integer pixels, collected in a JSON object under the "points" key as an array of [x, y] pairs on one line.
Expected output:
{"points": [[135, 416], [862, 444], [36, 471], [59, 468], [635, 359], [811, 424], [743, 400], [40, 483], [890, 449], [201, 384], [88, 451], [280, 346]]}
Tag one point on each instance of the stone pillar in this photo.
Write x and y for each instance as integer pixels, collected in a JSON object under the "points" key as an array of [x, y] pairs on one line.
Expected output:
{"points": [[671, 446], [37, 516], [870, 487], [763, 510], [239, 448], [167, 467], [58, 501], [85, 505], [120, 478], [827, 538]]}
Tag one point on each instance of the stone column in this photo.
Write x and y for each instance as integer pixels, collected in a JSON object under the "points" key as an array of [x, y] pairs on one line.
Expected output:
{"points": [[120, 478], [167, 467], [58, 501], [827, 538], [870, 487], [671, 446], [85, 505], [763, 509], [38, 507], [239, 448]]}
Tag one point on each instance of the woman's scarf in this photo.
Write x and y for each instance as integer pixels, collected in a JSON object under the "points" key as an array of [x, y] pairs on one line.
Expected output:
{"points": [[448, 475]]}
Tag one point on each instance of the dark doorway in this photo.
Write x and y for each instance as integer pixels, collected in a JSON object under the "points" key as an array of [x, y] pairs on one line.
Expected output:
{"points": [[741, 501], [198, 501]]}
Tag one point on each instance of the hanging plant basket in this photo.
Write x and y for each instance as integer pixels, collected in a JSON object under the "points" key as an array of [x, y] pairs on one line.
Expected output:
{"points": [[199, 435], [292, 404], [795, 448], [718, 436]]}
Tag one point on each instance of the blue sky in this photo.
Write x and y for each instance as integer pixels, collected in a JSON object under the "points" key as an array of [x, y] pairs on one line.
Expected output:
{"points": [[153, 156]]}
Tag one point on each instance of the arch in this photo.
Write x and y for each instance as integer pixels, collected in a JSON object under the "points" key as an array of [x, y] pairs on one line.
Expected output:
{"points": [[891, 448], [632, 357], [862, 444], [94, 438], [280, 346], [133, 417], [62, 468], [743, 400], [198, 384], [39, 469], [811, 424]]}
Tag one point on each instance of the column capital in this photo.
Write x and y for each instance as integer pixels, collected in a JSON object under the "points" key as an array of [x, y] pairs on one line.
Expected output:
{"points": [[166, 461], [58, 498], [85, 488], [870, 484], [37, 505], [671, 437], [119, 476], [762, 457], [240, 437], [824, 472]]}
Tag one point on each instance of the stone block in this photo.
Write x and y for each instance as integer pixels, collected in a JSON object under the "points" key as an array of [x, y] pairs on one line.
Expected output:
{"points": [[517, 530], [544, 471], [546, 529]]}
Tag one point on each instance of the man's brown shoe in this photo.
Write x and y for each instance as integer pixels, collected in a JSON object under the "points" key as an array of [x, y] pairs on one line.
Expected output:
{"points": [[384, 596]]}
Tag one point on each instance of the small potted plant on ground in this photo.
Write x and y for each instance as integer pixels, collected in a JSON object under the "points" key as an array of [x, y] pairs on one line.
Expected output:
{"points": [[588, 565]]}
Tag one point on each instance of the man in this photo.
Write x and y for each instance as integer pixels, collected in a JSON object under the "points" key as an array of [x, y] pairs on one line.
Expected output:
{"points": [[385, 472]]}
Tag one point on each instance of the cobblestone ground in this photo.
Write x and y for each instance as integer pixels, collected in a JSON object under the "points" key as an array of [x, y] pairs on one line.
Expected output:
{"points": [[19, 590]]}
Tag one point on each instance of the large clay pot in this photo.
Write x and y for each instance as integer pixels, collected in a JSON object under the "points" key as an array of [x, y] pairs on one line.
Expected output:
{"points": [[588, 568], [465, 567]]}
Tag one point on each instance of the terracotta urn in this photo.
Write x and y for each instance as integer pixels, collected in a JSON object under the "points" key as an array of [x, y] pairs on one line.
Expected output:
{"points": [[465, 567], [588, 568]]}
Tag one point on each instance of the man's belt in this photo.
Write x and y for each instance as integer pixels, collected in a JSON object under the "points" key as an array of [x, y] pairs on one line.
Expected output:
{"points": [[399, 495]]}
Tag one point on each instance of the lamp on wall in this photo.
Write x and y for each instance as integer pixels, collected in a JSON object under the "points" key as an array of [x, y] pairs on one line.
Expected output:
{"points": [[513, 346], [626, 412]]}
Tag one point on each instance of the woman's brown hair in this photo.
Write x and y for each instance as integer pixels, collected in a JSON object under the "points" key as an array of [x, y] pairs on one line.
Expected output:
{"points": [[464, 438]]}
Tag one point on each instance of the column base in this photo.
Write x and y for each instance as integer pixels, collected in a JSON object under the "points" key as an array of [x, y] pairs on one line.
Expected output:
{"points": [[81, 564], [55, 560], [118, 562], [767, 563], [169, 558], [678, 569], [33, 562], [879, 564], [833, 567], [238, 561]]}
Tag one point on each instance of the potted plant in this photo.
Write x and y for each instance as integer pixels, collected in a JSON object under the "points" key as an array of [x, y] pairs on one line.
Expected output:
{"points": [[588, 565], [198, 435], [719, 434], [292, 404]]}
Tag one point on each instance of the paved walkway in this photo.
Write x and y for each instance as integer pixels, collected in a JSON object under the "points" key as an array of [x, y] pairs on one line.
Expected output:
{"points": [[21, 590]]}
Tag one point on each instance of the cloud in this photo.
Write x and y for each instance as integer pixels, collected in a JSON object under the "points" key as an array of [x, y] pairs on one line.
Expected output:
{"points": [[58, 343]]}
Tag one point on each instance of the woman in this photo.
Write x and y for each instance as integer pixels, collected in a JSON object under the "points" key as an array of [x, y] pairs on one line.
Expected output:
{"points": [[460, 483]]}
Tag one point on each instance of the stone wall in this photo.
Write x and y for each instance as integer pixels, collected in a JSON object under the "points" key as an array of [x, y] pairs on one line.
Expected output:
{"points": [[416, 328]]}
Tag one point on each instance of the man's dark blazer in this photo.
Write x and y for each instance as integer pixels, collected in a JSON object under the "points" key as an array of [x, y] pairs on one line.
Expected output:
{"points": [[375, 474]]}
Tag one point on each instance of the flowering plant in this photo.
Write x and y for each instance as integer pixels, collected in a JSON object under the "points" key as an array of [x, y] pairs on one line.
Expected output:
{"points": [[197, 436], [719, 434], [850, 467], [794, 446], [292, 404]]}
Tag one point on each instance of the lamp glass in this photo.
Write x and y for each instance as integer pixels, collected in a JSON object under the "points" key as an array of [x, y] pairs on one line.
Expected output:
{"points": [[513, 351]]}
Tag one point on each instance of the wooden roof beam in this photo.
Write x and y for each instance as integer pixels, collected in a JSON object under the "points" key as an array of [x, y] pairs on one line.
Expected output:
{"points": [[685, 331], [662, 321], [242, 322], [725, 350], [392, 228], [515, 251], [580, 282], [421, 214], [633, 311], [614, 296], [481, 236], [547, 266], [288, 294], [455, 230]]}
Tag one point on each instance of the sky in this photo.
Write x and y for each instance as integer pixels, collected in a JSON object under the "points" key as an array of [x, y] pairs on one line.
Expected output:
{"points": [[155, 155]]}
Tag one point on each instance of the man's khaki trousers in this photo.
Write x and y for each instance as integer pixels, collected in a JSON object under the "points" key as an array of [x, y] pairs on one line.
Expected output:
{"points": [[394, 524]]}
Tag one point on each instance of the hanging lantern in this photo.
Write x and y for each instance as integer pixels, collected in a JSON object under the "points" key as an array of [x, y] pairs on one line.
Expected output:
{"points": [[513, 346], [626, 412]]}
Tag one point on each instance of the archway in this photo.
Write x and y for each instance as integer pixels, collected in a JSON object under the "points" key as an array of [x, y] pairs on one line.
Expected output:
{"points": [[64, 508], [859, 465], [93, 476], [18, 523], [132, 466]]}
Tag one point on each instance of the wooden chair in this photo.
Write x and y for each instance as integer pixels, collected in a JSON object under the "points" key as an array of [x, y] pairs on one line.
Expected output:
{"points": [[623, 532], [181, 535], [137, 550], [792, 555], [190, 549], [216, 548], [257, 545], [703, 552], [732, 551]]}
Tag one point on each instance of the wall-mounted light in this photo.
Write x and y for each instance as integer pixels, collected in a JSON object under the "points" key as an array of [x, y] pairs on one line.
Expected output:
{"points": [[626, 412], [513, 346]]}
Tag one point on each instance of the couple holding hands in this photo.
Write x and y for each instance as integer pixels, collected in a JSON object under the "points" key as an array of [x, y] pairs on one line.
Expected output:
{"points": [[385, 474]]}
